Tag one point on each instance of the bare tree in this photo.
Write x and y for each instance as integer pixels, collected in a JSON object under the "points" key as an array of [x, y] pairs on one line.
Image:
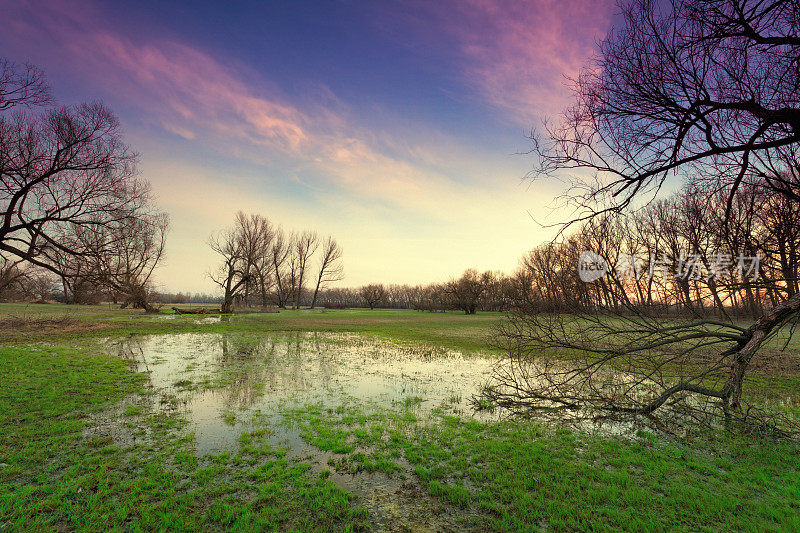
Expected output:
{"points": [[79, 278], [373, 294], [246, 249], [68, 183], [330, 266], [698, 87], [305, 245], [41, 285], [466, 292], [262, 265], [278, 254], [129, 254], [257, 234], [231, 274], [12, 277], [705, 89]]}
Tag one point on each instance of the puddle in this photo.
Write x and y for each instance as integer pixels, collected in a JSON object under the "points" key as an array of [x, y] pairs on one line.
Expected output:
{"points": [[209, 320], [218, 382], [206, 376]]}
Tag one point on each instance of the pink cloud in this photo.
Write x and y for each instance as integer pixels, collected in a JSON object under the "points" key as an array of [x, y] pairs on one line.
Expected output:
{"points": [[515, 55], [521, 61], [196, 96], [186, 88], [195, 89]]}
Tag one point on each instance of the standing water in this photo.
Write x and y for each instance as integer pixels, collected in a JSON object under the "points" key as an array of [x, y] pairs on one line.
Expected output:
{"points": [[218, 382]]}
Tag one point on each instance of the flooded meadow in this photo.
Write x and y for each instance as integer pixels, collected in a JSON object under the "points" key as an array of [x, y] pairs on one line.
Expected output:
{"points": [[223, 386], [340, 420]]}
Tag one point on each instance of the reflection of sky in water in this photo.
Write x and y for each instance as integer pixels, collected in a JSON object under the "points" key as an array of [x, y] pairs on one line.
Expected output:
{"points": [[265, 373]]}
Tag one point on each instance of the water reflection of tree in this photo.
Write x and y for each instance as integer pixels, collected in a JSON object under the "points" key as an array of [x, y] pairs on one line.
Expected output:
{"points": [[134, 350], [131, 349], [249, 368], [242, 368]]}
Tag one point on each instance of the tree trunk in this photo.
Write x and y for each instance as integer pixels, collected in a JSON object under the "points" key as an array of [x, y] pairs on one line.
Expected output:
{"points": [[316, 290], [299, 294], [279, 291], [758, 332]]}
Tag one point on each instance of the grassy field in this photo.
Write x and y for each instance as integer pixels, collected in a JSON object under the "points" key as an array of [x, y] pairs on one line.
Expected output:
{"points": [[452, 329], [511, 475]]}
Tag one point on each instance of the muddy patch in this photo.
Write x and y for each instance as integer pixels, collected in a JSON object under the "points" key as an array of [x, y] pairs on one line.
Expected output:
{"points": [[60, 325]]}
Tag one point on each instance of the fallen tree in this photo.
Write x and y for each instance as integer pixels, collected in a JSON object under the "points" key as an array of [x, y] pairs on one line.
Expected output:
{"points": [[200, 311], [618, 363]]}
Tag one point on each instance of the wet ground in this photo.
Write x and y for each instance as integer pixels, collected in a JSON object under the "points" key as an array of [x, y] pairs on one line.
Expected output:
{"points": [[206, 377], [218, 382]]}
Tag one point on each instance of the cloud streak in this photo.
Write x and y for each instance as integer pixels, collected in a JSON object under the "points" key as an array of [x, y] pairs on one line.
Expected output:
{"points": [[515, 55], [522, 62], [351, 177], [190, 90], [191, 94]]}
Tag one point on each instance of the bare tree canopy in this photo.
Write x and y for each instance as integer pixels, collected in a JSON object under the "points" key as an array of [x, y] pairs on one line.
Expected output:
{"points": [[279, 252], [330, 266], [262, 260], [466, 292], [22, 86], [709, 88], [373, 294], [305, 246], [69, 191], [12, 275], [127, 254], [246, 265]]}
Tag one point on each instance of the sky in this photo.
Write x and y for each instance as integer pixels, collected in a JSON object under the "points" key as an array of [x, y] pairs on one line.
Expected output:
{"points": [[399, 128]]}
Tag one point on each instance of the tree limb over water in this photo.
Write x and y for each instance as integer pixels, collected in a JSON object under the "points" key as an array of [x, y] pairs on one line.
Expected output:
{"points": [[703, 90]]}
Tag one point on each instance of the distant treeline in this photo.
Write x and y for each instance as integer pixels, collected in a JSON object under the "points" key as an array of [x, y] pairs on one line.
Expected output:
{"points": [[29, 284], [695, 252], [676, 254], [470, 293], [186, 298]]}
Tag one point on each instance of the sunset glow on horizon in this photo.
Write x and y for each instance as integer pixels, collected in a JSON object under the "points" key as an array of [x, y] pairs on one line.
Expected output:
{"points": [[398, 128]]}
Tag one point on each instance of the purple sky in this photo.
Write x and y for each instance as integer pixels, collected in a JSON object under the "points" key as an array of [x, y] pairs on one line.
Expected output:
{"points": [[395, 127]]}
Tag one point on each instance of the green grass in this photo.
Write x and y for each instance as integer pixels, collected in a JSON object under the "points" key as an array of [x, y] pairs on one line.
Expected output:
{"points": [[518, 476], [229, 417], [452, 330], [54, 477], [506, 476]]}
